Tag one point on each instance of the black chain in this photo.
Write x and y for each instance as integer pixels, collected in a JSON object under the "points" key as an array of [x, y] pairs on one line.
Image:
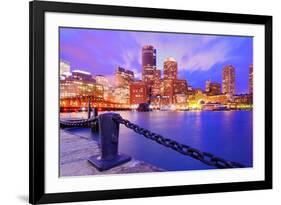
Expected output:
{"points": [[205, 157], [78, 123]]}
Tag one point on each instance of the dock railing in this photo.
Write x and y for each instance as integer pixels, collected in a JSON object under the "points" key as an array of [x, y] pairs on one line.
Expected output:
{"points": [[108, 125]]}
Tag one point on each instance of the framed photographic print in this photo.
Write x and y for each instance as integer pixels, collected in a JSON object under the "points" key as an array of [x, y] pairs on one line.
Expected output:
{"points": [[140, 102]]}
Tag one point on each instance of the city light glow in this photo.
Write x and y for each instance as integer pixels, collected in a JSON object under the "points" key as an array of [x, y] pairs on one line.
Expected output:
{"points": [[163, 85], [193, 89]]}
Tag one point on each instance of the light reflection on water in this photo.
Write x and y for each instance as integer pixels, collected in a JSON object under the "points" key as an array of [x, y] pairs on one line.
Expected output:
{"points": [[227, 134]]}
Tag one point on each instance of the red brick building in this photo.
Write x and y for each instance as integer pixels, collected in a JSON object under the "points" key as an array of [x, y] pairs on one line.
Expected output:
{"points": [[138, 93]]}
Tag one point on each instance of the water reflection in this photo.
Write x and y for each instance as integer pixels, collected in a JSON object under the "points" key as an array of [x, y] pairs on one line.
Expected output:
{"points": [[227, 134]]}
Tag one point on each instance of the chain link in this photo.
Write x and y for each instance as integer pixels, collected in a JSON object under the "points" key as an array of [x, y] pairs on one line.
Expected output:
{"points": [[204, 157], [78, 123]]}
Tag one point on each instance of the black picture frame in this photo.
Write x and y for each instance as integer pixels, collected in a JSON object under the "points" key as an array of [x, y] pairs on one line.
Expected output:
{"points": [[37, 9]]}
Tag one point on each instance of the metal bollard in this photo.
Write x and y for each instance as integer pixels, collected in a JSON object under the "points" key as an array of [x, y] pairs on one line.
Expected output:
{"points": [[89, 109], [95, 126], [95, 111], [109, 134]]}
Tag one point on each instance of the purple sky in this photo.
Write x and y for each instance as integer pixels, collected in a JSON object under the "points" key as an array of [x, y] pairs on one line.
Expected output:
{"points": [[199, 57]]}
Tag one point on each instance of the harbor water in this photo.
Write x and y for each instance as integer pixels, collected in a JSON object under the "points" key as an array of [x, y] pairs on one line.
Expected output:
{"points": [[226, 134]]}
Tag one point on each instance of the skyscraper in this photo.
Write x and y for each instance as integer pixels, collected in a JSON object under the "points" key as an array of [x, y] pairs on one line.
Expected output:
{"points": [[123, 79], [170, 75], [156, 86], [170, 69], [148, 75], [149, 66], [168, 90], [228, 80], [251, 79], [148, 56]]}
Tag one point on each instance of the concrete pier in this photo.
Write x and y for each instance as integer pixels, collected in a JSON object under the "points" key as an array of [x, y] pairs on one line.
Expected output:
{"points": [[76, 149]]}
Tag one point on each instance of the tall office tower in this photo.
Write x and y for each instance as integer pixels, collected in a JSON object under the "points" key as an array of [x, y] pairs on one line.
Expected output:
{"points": [[156, 85], [170, 75], [170, 69], [148, 76], [168, 90], [228, 80], [148, 56], [251, 79], [148, 65]]}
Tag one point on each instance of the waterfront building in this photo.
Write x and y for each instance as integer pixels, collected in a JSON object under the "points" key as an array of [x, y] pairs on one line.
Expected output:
{"points": [[212, 88], [243, 99], [148, 76], [102, 80], [170, 69], [221, 98], [228, 80], [148, 64], [67, 87], [123, 77], [170, 75], [148, 56], [138, 93], [197, 99], [180, 91], [75, 94], [168, 90], [181, 100], [180, 86], [82, 76], [149, 71], [156, 85], [64, 67], [190, 90], [251, 79], [121, 95], [78, 88], [109, 96]]}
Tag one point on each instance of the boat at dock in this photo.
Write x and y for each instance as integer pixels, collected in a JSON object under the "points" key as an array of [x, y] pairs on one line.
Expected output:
{"points": [[214, 107], [143, 107]]}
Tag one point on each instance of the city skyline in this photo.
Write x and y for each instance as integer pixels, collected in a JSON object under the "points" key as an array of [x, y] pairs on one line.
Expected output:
{"points": [[171, 83], [87, 49]]}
